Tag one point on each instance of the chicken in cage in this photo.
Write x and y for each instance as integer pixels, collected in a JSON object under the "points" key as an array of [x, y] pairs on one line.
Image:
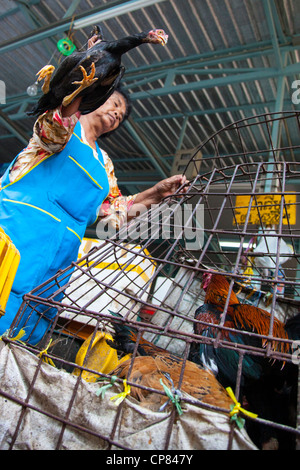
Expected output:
{"points": [[191, 308]]}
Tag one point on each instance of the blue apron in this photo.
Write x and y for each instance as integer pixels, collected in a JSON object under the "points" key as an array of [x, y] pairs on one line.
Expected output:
{"points": [[45, 213]]}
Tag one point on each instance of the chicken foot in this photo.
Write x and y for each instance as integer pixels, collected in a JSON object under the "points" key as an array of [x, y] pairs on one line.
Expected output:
{"points": [[46, 73], [87, 81]]}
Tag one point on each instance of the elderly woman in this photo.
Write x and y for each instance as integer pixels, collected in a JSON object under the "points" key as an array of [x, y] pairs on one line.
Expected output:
{"points": [[53, 190]]}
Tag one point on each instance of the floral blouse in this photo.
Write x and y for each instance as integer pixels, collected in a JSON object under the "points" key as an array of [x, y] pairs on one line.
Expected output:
{"points": [[51, 133]]}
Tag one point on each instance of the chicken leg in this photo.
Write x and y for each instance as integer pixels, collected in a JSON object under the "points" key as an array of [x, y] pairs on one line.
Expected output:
{"points": [[46, 73], [87, 81]]}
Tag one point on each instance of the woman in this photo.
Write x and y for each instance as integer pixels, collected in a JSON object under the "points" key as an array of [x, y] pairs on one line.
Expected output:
{"points": [[53, 190]]}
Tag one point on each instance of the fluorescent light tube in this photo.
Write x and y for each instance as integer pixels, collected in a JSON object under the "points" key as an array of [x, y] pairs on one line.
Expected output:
{"points": [[126, 7], [233, 245]]}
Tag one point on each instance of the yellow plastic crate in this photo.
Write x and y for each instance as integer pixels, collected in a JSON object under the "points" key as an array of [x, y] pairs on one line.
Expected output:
{"points": [[9, 262], [98, 356]]}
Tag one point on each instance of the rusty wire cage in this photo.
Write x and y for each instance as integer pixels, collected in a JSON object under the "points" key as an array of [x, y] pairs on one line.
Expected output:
{"points": [[239, 216]]}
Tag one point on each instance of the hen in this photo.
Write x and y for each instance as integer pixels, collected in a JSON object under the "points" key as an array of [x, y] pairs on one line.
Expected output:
{"points": [[266, 384], [93, 74], [155, 364]]}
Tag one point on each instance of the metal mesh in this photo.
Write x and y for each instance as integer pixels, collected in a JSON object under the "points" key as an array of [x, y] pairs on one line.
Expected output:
{"points": [[239, 216]]}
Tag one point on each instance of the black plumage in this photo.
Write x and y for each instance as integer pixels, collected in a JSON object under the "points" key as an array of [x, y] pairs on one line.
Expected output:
{"points": [[93, 74]]}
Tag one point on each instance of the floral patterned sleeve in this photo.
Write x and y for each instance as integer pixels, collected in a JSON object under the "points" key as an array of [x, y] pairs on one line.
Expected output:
{"points": [[51, 133], [113, 210]]}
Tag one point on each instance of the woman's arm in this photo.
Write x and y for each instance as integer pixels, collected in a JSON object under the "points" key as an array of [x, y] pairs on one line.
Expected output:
{"points": [[72, 108], [117, 209]]}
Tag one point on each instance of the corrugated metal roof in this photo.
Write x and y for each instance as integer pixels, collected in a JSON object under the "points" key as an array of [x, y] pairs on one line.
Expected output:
{"points": [[225, 60]]}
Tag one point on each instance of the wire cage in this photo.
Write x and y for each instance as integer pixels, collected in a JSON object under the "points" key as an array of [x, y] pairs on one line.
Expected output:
{"points": [[237, 216]]}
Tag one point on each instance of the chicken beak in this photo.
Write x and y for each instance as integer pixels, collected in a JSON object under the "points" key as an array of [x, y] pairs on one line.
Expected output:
{"points": [[163, 38]]}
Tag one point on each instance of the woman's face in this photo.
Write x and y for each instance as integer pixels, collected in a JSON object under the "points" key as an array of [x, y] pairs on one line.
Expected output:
{"points": [[108, 116]]}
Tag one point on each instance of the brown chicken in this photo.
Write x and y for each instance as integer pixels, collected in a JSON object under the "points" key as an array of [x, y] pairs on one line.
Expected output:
{"points": [[155, 364]]}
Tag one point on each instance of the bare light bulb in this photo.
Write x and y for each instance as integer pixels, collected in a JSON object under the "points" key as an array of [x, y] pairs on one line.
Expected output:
{"points": [[32, 89]]}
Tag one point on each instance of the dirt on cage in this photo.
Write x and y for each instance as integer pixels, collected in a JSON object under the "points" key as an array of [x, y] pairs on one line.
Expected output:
{"points": [[182, 330]]}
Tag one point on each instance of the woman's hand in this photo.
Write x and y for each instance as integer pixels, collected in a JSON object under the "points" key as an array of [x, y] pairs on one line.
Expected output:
{"points": [[169, 186], [72, 108], [154, 195], [93, 40]]}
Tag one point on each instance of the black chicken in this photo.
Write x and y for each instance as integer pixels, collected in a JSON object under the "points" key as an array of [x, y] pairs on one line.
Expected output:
{"points": [[102, 61]]}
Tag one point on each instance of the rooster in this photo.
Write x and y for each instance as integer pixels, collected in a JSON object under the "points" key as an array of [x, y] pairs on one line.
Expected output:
{"points": [[240, 318], [262, 379], [154, 365], [93, 74]]}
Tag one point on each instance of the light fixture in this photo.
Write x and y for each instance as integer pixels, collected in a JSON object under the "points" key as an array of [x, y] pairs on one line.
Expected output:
{"points": [[32, 89], [232, 245], [126, 7]]}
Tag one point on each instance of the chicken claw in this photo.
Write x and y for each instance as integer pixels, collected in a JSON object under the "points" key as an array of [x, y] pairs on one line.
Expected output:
{"points": [[87, 81], [46, 73]]}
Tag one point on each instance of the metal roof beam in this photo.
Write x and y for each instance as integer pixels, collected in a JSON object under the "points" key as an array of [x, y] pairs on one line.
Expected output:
{"points": [[272, 29], [214, 58], [276, 129], [20, 114], [34, 22], [202, 112], [101, 13], [270, 72], [146, 75], [16, 9], [72, 8], [10, 12], [280, 34], [13, 128], [151, 153], [196, 66], [169, 75]]}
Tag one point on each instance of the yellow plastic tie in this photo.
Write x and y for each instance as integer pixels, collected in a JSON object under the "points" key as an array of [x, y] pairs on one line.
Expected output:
{"points": [[43, 355], [15, 338], [237, 408], [121, 396]]}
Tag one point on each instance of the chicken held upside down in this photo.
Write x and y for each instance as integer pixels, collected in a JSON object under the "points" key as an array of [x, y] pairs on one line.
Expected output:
{"points": [[93, 74]]}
